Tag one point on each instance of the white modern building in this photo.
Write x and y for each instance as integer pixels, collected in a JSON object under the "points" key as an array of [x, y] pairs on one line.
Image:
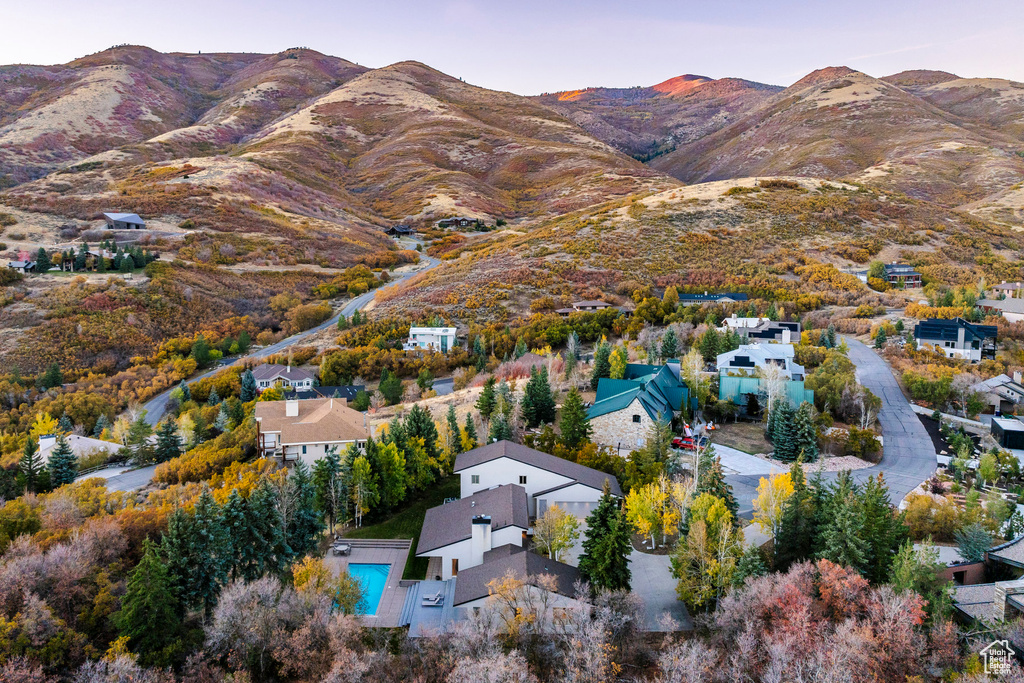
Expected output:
{"points": [[547, 479], [748, 358], [430, 339], [294, 429], [462, 532]]}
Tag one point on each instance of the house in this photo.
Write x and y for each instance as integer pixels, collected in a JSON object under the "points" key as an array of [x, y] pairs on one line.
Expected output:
{"points": [[400, 231], [1008, 432], [712, 298], [22, 266], [898, 275], [1001, 393], [1011, 308], [343, 391], [547, 479], [999, 600], [80, 445], [779, 331], [748, 358], [124, 221], [458, 222], [1008, 289], [294, 429], [271, 374], [583, 307], [957, 338], [430, 339], [625, 409], [461, 532], [539, 572]]}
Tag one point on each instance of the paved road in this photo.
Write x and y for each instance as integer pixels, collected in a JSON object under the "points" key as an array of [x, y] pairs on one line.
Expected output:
{"points": [[908, 457], [157, 406]]}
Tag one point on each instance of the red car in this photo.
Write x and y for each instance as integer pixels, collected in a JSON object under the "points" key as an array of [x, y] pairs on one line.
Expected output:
{"points": [[687, 442]]}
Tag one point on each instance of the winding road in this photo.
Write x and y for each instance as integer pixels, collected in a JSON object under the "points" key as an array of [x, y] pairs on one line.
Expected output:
{"points": [[157, 406], [908, 456]]}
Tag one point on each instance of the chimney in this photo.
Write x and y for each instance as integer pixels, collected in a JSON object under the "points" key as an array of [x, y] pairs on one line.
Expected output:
{"points": [[1003, 589], [1016, 376], [480, 540], [786, 335], [734, 316], [291, 408]]}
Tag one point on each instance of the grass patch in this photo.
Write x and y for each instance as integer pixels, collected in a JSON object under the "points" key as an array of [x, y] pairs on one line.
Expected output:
{"points": [[408, 522], [743, 436]]}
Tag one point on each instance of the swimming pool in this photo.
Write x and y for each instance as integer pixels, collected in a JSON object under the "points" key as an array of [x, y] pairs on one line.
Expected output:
{"points": [[373, 578]]}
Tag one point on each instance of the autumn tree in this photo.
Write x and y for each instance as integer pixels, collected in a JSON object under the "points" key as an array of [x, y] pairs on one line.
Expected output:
{"points": [[705, 560], [363, 488], [555, 531], [770, 503]]}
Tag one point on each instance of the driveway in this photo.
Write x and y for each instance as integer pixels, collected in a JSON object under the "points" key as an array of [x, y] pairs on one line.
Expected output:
{"points": [[907, 456], [654, 584], [120, 479], [157, 406]]}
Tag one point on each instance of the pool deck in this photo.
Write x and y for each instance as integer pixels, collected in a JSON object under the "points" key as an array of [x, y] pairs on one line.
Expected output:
{"points": [[367, 551]]}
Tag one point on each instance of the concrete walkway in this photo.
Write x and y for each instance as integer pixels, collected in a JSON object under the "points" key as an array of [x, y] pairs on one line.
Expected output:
{"points": [[654, 583], [122, 478], [737, 462]]}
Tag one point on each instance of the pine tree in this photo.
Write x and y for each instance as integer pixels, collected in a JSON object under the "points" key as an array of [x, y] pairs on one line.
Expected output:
{"points": [[82, 256], [43, 263], [305, 525], [795, 541], [221, 423], [213, 399], [486, 401], [805, 435], [884, 530], [520, 349], [602, 364], [342, 322], [880, 338], [528, 404], [138, 440], [500, 429], [575, 425], [711, 479], [168, 441], [52, 378], [64, 424], [454, 435], [149, 608], [831, 336], [248, 391], [101, 263], [262, 547], [102, 423], [30, 464], [419, 424], [772, 313], [357, 318], [750, 565], [186, 392], [604, 562], [63, 463], [669, 344], [842, 538], [234, 518], [471, 437], [783, 437], [198, 553], [709, 344], [822, 339], [390, 387]]}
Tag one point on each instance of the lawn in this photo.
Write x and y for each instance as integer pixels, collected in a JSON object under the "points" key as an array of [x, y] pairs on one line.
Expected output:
{"points": [[744, 436], [407, 522]]}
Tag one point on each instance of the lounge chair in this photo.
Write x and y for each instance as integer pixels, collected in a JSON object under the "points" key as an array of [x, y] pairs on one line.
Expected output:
{"points": [[436, 600]]}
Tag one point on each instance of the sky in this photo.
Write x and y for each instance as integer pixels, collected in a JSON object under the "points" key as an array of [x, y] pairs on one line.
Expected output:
{"points": [[534, 46]]}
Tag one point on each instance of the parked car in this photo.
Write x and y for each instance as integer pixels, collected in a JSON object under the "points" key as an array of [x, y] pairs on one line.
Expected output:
{"points": [[686, 443]]}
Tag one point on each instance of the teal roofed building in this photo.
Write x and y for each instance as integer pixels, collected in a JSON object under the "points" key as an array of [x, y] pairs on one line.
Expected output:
{"points": [[626, 409]]}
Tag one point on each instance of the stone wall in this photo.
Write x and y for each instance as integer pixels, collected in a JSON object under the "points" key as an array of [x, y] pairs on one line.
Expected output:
{"points": [[618, 429]]}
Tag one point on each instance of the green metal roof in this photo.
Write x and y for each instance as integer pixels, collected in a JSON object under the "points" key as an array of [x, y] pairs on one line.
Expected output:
{"points": [[658, 389]]}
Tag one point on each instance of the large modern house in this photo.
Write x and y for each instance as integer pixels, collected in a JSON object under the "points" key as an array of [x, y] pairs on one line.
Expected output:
{"points": [[898, 275], [430, 339], [625, 409], [293, 429], [547, 479], [762, 329], [124, 221], [957, 338], [739, 376], [272, 375], [711, 298]]}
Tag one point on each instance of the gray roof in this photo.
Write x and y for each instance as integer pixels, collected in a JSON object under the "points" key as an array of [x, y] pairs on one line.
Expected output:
{"points": [[1005, 305], [127, 217], [975, 601], [471, 584], [345, 391], [453, 522], [1011, 552], [506, 449], [274, 371]]}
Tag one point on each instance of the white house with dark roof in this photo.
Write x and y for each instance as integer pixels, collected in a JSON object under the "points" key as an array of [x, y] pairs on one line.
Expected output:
{"points": [[440, 339], [271, 375], [124, 221], [748, 358], [463, 531], [547, 479]]}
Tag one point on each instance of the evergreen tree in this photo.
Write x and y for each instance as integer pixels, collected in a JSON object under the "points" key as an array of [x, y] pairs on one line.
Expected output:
{"points": [[305, 525], [213, 399], [795, 540], [602, 364], [248, 391], [235, 520], [884, 530], [805, 434], [783, 437], [63, 464], [419, 424], [390, 387], [711, 479], [30, 464], [822, 339], [52, 377], [64, 424], [500, 429], [750, 565], [880, 338], [521, 349], [101, 263], [149, 608], [709, 344], [471, 438], [221, 423], [842, 538], [342, 322], [262, 546], [669, 344], [198, 553], [82, 256], [43, 263], [102, 423], [357, 318], [530, 409], [604, 562], [575, 425], [186, 393], [454, 435], [138, 440], [486, 402], [201, 351], [168, 441], [425, 380], [831, 336], [772, 313]]}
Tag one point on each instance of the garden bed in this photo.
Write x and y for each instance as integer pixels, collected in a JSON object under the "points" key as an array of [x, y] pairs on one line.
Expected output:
{"points": [[939, 442]]}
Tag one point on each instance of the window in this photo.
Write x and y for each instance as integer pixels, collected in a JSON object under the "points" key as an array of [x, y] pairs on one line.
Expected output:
{"points": [[522, 480], [474, 479], [636, 419], [303, 450]]}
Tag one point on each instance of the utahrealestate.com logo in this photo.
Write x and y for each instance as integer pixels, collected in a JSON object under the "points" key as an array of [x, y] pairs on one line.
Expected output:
{"points": [[998, 657]]}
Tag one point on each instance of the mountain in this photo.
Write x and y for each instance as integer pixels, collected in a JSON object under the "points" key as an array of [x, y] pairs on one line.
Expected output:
{"points": [[647, 121], [916, 133]]}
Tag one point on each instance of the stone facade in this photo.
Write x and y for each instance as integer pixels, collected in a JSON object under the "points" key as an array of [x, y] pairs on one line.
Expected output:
{"points": [[619, 429]]}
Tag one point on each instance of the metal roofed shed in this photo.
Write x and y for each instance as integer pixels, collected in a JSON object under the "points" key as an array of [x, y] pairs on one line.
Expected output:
{"points": [[124, 221]]}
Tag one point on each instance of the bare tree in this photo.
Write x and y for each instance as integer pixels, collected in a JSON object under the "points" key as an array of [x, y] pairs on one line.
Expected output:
{"points": [[771, 386]]}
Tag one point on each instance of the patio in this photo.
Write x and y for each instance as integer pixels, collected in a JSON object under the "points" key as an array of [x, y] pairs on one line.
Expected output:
{"points": [[371, 551]]}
